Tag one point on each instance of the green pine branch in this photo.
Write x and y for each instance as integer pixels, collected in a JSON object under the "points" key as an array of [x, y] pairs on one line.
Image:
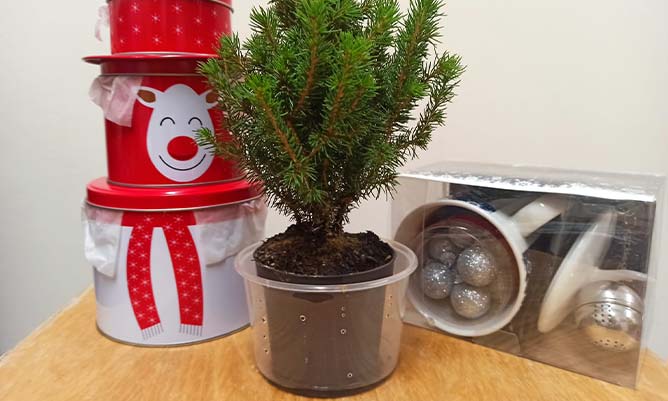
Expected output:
{"points": [[320, 101]]}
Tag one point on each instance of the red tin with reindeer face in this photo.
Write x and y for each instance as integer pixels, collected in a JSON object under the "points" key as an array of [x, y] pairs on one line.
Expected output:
{"points": [[171, 103], [190, 26]]}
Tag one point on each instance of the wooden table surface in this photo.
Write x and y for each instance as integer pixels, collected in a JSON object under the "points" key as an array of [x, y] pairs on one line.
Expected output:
{"points": [[67, 359]]}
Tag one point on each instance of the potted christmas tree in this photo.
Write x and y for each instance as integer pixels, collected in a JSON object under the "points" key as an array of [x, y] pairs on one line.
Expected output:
{"points": [[320, 101]]}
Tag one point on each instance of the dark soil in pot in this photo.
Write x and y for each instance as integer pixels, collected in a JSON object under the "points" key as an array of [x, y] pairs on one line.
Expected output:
{"points": [[300, 252], [323, 344]]}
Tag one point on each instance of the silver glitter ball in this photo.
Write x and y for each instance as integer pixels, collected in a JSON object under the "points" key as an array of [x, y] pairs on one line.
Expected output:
{"points": [[442, 250], [476, 266], [470, 302], [437, 280]]}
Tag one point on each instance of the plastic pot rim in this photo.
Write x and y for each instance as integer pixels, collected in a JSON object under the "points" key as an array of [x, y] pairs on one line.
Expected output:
{"points": [[405, 264]]}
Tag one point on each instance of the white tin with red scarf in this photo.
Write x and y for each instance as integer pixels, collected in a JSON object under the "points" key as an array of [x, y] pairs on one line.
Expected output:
{"points": [[166, 277]]}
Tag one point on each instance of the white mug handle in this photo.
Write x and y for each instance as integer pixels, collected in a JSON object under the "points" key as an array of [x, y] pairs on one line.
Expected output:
{"points": [[538, 213], [618, 275]]}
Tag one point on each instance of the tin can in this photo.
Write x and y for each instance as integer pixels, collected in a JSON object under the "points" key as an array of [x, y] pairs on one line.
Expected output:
{"points": [[169, 104], [192, 26], [166, 276]]}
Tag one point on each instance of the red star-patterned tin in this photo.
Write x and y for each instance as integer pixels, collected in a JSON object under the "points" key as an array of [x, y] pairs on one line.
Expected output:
{"points": [[191, 26]]}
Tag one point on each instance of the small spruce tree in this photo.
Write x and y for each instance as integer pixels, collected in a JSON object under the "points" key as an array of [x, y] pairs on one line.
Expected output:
{"points": [[320, 101]]}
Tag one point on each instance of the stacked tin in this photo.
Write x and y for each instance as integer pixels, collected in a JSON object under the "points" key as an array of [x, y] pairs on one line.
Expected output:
{"points": [[163, 227]]}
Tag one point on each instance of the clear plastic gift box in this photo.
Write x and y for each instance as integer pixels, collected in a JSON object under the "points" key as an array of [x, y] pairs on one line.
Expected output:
{"points": [[553, 265]]}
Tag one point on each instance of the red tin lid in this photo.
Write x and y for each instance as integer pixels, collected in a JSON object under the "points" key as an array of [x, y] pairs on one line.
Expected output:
{"points": [[103, 194], [149, 63]]}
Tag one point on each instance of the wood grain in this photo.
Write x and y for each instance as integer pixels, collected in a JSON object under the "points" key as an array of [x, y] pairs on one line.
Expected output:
{"points": [[67, 359]]}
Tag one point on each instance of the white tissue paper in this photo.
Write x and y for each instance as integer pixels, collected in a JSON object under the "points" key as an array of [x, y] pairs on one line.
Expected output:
{"points": [[116, 96], [220, 233], [224, 233], [102, 21], [102, 235]]}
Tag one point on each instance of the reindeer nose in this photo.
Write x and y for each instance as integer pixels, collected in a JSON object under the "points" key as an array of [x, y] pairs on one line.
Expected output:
{"points": [[182, 148]]}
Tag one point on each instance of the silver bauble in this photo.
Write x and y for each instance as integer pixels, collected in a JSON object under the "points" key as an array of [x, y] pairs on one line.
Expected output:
{"points": [[470, 302], [476, 266], [442, 250], [437, 280]]}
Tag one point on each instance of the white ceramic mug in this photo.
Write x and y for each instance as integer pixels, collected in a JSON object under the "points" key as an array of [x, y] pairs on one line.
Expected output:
{"points": [[515, 230]]}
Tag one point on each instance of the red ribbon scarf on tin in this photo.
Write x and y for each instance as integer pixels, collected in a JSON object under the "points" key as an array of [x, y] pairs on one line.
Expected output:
{"points": [[185, 262]]}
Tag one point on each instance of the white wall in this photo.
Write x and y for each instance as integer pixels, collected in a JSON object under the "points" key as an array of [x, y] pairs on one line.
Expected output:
{"points": [[51, 145], [555, 83]]}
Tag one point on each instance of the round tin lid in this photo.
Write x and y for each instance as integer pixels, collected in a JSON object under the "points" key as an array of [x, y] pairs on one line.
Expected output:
{"points": [[149, 63], [155, 56], [103, 194]]}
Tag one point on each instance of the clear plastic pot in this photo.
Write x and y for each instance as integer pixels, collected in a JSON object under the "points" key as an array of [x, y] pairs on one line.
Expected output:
{"points": [[327, 339]]}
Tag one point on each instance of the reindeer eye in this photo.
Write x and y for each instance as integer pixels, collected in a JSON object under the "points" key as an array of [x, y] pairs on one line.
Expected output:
{"points": [[167, 118], [195, 119]]}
